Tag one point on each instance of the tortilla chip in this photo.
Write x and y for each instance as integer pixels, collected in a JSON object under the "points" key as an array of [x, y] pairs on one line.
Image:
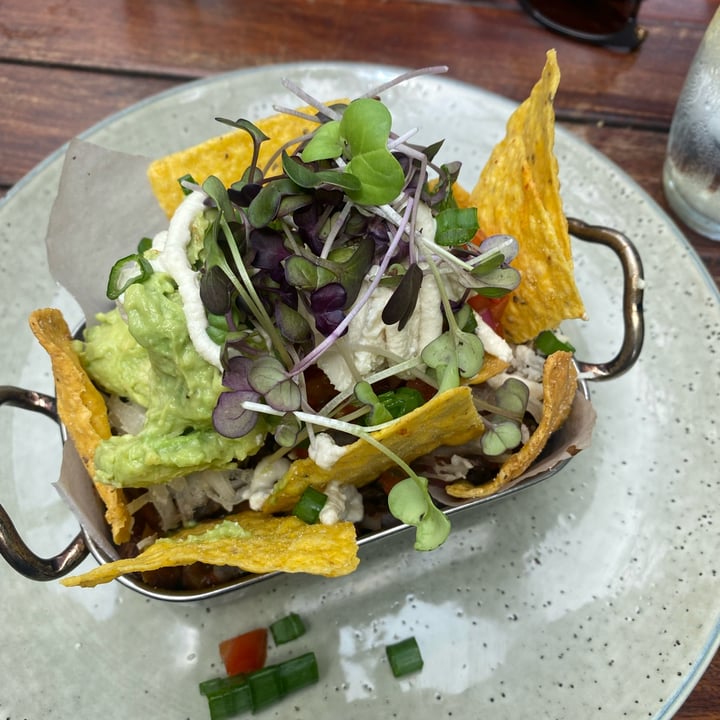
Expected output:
{"points": [[271, 544], [81, 408], [226, 156], [559, 388], [518, 193], [449, 418], [491, 367]]}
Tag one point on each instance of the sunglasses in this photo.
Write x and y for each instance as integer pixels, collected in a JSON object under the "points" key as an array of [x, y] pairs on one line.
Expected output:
{"points": [[611, 23]]}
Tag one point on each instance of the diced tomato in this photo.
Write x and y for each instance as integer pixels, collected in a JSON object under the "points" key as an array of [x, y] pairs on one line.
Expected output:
{"points": [[490, 309], [245, 653], [389, 479]]}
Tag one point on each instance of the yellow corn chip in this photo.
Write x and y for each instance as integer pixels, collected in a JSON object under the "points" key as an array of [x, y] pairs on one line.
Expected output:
{"points": [[491, 367], [81, 408], [261, 544], [226, 156], [559, 388], [518, 193], [449, 418]]}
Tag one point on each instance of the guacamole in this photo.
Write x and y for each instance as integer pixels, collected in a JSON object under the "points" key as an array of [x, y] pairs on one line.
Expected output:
{"points": [[146, 356]]}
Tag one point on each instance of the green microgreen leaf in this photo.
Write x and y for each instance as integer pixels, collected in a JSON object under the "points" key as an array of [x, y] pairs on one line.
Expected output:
{"points": [[287, 430], [304, 274], [440, 355], [500, 437], [498, 282], [352, 271], [410, 502], [456, 226], [512, 396], [381, 177], [366, 395], [306, 177], [293, 326], [264, 207], [325, 144], [470, 353]]}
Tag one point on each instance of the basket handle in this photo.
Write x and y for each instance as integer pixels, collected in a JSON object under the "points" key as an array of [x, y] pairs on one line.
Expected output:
{"points": [[12, 547], [633, 287]]}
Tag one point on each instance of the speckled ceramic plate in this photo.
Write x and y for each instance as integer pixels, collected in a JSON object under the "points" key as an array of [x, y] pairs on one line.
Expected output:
{"points": [[594, 594]]}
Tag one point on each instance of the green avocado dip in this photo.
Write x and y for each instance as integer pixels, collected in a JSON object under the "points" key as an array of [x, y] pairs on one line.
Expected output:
{"points": [[149, 359]]}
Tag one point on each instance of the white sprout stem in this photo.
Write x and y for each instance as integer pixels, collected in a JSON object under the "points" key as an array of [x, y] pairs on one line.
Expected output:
{"points": [[341, 397], [337, 226], [398, 142], [297, 113], [290, 143], [444, 254], [362, 433], [432, 70], [309, 99]]}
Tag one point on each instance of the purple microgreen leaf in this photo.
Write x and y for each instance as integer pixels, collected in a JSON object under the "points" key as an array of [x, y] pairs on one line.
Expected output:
{"points": [[401, 304], [270, 251], [230, 418], [235, 376], [327, 305]]}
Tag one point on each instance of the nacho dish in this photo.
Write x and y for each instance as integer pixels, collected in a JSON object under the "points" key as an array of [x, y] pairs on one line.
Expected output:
{"points": [[330, 336]]}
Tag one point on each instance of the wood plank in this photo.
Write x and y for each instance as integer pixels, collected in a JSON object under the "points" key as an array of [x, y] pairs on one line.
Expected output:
{"points": [[49, 108], [136, 37]]}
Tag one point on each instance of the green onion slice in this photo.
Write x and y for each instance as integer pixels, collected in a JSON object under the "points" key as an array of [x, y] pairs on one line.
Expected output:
{"points": [[309, 505], [230, 696], [227, 697], [288, 628], [298, 672], [404, 657], [122, 276]]}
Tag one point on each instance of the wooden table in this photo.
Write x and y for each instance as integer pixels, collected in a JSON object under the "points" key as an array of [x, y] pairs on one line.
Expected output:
{"points": [[66, 65]]}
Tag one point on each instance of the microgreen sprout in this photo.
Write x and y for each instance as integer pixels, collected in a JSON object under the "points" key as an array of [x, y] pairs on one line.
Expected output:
{"points": [[290, 259]]}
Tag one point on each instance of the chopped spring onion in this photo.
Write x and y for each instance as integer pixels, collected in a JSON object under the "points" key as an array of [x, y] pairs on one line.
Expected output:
{"points": [[227, 697], [122, 275], [404, 657], [265, 687], [288, 628], [547, 343], [230, 696], [298, 672], [309, 505]]}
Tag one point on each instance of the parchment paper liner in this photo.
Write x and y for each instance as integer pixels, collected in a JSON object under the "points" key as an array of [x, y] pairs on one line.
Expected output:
{"points": [[104, 206]]}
